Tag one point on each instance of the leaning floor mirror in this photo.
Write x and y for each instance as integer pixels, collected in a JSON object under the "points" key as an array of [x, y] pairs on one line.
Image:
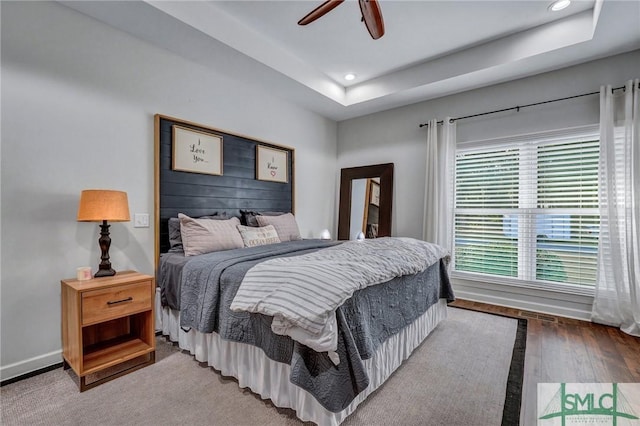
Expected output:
{"points": [[365, 201]]}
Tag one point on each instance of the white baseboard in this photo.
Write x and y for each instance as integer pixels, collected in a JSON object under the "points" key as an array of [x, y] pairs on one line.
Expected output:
{"points": [[565, 305], [29, 365]]}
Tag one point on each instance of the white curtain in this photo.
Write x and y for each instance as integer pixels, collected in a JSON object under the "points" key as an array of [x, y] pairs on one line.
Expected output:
{"points": [[438, 193], [617, 293]]}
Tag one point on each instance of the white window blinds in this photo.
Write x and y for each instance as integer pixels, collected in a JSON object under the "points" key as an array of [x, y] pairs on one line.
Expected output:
{"points": [[528, 209]]}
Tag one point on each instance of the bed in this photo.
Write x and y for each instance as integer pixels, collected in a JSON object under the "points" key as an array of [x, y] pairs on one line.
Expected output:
{"points": [[324, 370], [377, 327]]}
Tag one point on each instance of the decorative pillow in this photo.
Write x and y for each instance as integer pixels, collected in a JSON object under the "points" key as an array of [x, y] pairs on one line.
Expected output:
{"points": [[253, 236], [286, 226], [248, 217], [175, 239], [204, 235]]}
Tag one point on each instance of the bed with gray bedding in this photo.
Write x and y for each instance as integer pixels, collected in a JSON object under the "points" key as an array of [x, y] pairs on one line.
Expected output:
{"points": [[203, 288]]}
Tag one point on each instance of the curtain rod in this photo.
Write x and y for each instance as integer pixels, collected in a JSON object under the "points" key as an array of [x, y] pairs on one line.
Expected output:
{"points": [[517, 108]]}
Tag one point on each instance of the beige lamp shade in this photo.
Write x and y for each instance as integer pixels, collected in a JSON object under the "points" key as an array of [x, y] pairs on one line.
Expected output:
{"points": [[97, 205]]}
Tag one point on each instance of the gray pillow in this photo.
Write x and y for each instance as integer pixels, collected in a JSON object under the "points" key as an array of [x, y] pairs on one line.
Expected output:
{"points": [[248, 217], [175, 240]]}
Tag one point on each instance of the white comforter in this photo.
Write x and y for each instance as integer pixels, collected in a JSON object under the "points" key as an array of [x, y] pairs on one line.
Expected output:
{"points": [[303, 292]]}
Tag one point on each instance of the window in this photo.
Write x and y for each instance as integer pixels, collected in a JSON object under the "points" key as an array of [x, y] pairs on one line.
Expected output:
{"points": [[527, 208]]}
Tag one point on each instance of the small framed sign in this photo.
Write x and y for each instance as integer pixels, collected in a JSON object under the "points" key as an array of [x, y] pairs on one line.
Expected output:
{"points": [[374, 193], [196, 151], [271, 164]]}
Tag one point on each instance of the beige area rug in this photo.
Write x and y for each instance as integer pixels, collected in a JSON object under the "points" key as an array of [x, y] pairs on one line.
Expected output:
{"points": [[458, 376]]}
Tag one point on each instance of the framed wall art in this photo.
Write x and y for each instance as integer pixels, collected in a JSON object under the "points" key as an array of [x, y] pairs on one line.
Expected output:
{"points": [[196, 151], [374, 193], [271, 164]]}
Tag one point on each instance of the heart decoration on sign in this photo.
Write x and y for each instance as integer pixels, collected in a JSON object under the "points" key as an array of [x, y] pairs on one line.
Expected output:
{"points": [[273, 173]]}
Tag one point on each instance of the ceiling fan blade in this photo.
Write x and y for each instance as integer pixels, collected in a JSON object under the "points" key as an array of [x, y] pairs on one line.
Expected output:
{"points": [[320, 11], [372, 17]]}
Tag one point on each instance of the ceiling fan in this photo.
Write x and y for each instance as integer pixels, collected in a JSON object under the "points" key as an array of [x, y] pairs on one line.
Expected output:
{"points": [[370, 9]]}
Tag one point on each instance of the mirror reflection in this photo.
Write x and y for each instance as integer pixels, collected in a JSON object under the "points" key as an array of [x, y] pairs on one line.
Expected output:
{"points": [[366, 194], [365, 207]]}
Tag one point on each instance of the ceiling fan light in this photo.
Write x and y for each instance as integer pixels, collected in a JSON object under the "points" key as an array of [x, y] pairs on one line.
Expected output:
{"points": [[559, 5], [349, 77]]}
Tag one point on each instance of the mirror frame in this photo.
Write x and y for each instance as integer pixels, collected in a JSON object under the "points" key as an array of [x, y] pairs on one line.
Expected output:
{"points": [[385, 172]]}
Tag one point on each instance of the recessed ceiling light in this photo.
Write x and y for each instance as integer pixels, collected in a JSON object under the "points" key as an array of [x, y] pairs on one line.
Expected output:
{"points": [[349, 76], [559, 5]]}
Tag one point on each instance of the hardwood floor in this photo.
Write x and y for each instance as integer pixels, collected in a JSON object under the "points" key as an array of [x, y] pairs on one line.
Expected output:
{"points": [[570, 351]]}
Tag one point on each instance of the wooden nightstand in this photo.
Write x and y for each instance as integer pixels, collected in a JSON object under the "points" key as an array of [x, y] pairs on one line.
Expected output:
{"points": [[107, 321]]}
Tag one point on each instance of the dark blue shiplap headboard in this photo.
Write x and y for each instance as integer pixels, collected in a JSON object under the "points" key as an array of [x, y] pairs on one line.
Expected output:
{"points": [[196, 194]]}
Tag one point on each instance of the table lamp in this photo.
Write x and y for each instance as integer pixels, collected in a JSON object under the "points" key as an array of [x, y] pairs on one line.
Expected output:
{"points": [[102, 205]]}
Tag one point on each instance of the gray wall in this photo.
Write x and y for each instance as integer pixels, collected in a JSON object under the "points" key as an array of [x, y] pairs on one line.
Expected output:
{"points": [[358, 192], [78, 99], [394, 136]]}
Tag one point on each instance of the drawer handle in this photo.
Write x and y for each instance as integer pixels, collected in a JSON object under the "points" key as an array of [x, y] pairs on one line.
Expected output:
{"points": [[115, 302]]}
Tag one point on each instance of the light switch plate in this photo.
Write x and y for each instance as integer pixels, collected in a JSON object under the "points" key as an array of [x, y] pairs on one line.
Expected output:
{"points": [[141, 220]]}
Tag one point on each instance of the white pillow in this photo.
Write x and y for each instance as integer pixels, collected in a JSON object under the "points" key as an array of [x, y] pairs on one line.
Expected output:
{"points": [[201, 236], [286, 226], [253, 236]]}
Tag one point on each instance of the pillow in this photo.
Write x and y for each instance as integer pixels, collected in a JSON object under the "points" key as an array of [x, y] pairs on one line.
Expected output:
{"points": [[175, 239], [248, 217], [204, 235], [286, 226], [253, 236]]}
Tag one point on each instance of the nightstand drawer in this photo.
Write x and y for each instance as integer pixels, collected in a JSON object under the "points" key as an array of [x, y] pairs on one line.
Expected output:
{"points": [[114, 302]]}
